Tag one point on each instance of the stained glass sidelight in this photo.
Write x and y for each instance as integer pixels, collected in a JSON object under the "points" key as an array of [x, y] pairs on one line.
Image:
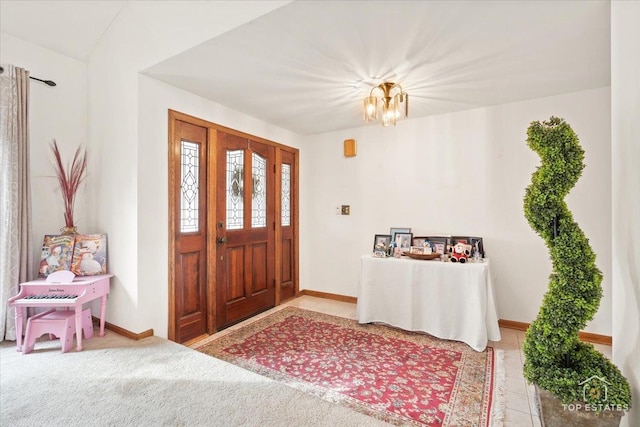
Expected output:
{"points": [[189, 157], [235, 188], [259, 195], [286, 195]]}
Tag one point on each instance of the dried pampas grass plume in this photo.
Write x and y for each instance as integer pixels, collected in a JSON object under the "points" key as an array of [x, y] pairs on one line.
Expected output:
{"points": [[69, 179]]}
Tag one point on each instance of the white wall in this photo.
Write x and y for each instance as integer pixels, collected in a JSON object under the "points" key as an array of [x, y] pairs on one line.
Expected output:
{"points": [[155, 99], [58, 112], [144, 34], [625, 113], [463, 173]]}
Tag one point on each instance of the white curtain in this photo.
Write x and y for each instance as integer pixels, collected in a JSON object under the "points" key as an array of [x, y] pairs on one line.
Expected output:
{"points": [[16, 254]]}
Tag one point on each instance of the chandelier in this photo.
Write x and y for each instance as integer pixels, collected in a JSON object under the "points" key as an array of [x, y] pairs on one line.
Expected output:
{"points": [[393, 100]]}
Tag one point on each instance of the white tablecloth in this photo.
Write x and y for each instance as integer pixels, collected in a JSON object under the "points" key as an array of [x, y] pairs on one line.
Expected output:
{"points": [[448, 300]]}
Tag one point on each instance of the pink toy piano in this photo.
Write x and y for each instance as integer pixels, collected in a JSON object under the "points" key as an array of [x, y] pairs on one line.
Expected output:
{"points": [[59, 290]]}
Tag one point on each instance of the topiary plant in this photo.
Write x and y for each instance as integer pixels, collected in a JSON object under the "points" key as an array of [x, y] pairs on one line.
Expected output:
{"points": [[556, 360]]}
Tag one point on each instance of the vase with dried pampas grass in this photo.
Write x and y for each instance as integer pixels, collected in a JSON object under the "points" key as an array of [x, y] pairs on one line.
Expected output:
{"points": [[69, 178]]}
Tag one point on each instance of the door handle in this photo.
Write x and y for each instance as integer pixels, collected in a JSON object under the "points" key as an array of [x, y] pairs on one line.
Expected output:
{"points": [[222, 240]]}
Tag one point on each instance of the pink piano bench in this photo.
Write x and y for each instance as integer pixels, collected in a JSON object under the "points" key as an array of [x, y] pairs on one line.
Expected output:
{"points": [[58, 323]]}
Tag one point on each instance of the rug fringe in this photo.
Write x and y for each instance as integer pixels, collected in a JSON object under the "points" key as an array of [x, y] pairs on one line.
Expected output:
{"points": [[499, 400]]}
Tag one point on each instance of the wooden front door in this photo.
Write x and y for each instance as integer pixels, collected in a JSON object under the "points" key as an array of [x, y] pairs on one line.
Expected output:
{"points": [[188, 184], [245, 228], [233, 226]]}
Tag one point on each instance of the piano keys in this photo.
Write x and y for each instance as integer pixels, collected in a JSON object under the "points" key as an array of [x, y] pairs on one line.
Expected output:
{"points": [[70, 294], [51, 296]]}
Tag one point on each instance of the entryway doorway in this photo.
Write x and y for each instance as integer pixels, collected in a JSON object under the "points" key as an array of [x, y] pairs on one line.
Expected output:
{"points": [[233, 226]]}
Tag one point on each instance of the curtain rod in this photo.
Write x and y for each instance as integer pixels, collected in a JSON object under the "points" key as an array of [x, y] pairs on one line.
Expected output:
{"points": [[47, 82]]}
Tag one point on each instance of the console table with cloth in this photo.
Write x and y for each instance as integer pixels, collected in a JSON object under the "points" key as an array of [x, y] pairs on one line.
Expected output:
{"points": [[447, 300]]}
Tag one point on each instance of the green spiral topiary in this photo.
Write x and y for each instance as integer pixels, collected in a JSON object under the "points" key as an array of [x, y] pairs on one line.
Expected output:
{"points": [[556, 360]]}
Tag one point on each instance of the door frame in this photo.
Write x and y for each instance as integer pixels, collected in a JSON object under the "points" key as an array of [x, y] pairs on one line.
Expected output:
{"points": [[212, 167]]}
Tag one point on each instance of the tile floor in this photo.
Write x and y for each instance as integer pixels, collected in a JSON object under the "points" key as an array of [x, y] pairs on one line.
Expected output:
{"points": [[520, 411]]}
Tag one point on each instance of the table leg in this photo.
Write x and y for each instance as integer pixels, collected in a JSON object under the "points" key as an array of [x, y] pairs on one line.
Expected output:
{"points": [[103, 309], [79, 328], [18, 318]]}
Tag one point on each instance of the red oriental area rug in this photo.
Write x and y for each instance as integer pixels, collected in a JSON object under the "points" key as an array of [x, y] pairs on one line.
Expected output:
{"points": [[400, 377]]}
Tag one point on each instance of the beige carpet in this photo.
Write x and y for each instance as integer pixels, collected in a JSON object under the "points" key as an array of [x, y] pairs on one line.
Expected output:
{"points": [[115, 381]]}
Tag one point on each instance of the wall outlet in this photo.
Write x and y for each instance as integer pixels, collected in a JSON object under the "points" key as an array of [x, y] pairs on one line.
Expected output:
{"points": [[345, 209], [338, 210]]}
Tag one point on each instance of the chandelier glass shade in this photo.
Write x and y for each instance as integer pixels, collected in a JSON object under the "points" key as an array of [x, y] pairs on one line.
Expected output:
{"points": [[394, 103]]}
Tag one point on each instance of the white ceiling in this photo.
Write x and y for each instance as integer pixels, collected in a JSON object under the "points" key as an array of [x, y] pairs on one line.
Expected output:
{"points": [[72, 28], [306, 66]]}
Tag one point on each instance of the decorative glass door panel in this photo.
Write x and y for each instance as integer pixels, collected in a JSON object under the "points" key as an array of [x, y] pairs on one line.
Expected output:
{"points": [[189, 186], [235, 189], [285, 196], [259, 195]]}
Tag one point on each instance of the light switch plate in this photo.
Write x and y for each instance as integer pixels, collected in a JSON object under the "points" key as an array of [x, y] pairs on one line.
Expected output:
{"points": [[345, 209]]}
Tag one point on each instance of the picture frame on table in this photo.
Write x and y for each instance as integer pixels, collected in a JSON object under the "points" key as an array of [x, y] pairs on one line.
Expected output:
{"points": [[477, 242], [417, 250], [403, 241], [438, 244], [419, 241], [381, 242], [395, 230], [379, 254]]}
